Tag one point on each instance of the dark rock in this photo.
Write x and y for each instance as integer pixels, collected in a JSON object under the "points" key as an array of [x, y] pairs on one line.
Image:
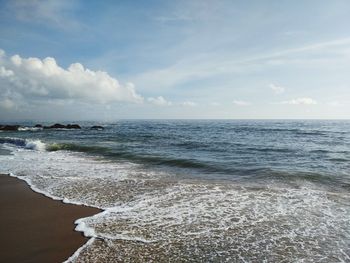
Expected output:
{"points": [[9, 127], [38, 126], [73, 126], [57, 126], [61, 126], [97, 127]]}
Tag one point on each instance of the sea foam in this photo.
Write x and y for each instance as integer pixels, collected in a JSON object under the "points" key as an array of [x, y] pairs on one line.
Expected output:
{"points": [[35, 145], [30, 129], [24, 143]]}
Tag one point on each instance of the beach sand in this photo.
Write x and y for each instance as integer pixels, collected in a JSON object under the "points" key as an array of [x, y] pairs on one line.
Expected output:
{"points": [[35, 228]]}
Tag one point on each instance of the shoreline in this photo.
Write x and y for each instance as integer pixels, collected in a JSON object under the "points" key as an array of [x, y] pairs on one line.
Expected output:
{"points": [[36, 228]]}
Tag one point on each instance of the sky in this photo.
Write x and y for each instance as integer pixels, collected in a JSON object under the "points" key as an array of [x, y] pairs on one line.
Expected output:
{"points": [[110, 60]]}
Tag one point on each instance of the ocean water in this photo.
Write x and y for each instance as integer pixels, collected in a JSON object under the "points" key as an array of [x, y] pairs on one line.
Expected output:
{"points": [[196, 191]]}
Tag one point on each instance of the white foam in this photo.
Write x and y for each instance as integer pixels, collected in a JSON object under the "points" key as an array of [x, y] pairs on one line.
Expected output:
{"points": [[79, 250], [30, 128], [24, 143], [35, 145], [82, 227], [61, 175]]}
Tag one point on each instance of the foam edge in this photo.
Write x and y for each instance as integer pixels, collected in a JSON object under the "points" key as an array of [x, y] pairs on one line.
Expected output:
{"points": [[79, 250]]}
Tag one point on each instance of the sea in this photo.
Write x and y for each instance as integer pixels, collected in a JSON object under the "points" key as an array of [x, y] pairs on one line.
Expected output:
{"points": [[196, 190]]}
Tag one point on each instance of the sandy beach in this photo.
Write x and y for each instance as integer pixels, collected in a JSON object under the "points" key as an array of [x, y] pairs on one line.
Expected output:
{"points": [[35, 228]]}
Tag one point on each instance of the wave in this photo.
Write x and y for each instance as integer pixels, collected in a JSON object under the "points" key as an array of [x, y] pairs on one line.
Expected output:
{"points": [[109, 153], [338, 159], [157, 160], [205, 169], [30, 129], [270, 149], [258, 174], [151, 159], [329, 180], [98, 150], [298, 131], [24, 143]]}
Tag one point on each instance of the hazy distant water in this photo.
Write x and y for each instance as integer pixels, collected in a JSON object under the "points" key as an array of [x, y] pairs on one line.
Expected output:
{"points": [[201, 191]]}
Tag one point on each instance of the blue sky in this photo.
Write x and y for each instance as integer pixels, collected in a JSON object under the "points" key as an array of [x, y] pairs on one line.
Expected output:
{"points": [[174, 59]]}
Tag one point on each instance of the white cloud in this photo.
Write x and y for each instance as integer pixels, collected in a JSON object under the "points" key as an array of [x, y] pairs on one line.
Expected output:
{"points": [[36, 79], [300, 101], [188, 104], [159, 101], [5, 72], [276, 88], [241, 103]]}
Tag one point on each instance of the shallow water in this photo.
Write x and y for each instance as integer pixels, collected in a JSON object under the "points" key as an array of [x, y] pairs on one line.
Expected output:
{"points": [[197, 191]]}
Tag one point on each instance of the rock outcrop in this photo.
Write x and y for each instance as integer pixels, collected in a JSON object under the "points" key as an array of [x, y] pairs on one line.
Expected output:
{"points": [[97, 127], [9, 127], [62, 126], [55, 126], [73, 126]]}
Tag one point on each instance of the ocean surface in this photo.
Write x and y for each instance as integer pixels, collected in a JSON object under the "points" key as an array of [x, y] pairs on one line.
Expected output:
{"points": [[196, 190]]}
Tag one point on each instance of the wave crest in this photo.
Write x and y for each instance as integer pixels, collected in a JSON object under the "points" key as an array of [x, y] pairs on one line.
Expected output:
{"points": [[30, 129], [24, 143]]}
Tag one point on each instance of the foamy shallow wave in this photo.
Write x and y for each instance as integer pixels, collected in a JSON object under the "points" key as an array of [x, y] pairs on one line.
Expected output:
{"points": [[76, 254], [30, 129], [24, 143], [35, 145], [38, 145], [150, 216]]}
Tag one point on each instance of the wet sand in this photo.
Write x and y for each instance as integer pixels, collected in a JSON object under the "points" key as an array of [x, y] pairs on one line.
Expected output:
{"points": [[35, 228]]}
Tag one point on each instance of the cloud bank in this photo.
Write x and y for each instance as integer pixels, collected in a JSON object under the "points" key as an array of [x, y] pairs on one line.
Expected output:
{"points": [[300, 101], [241, 103], [35, 79], [159, 101], [277, 89], [188, 104]]}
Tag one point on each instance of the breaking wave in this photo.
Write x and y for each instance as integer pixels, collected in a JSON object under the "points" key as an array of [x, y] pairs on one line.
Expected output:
{"points": [[30, 129], [262, 174], [24, 143]]}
